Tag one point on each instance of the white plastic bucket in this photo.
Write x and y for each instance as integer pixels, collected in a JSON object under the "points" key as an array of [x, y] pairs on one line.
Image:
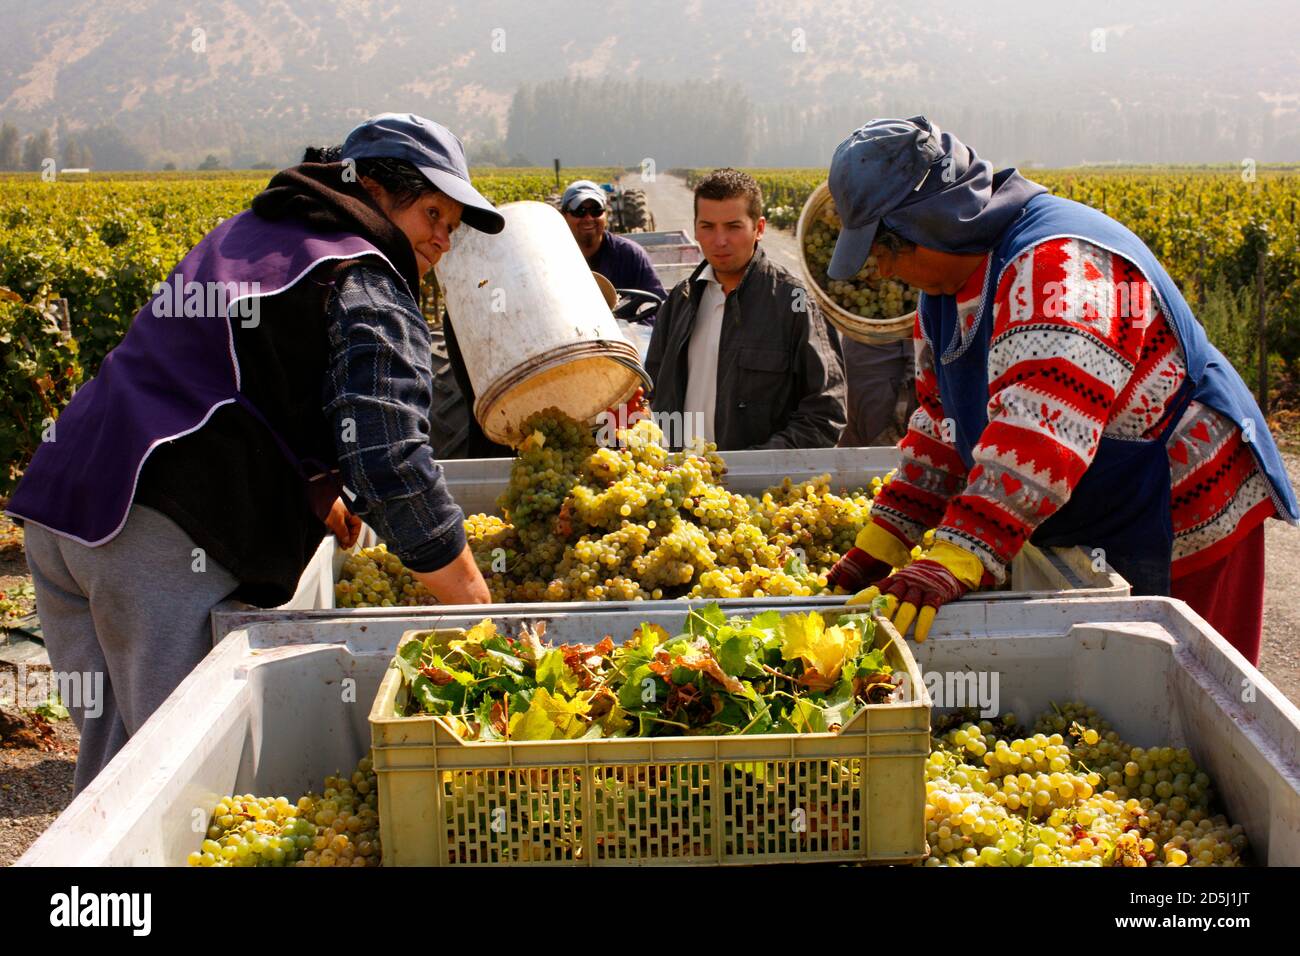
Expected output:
{"points": [[532, 324]]}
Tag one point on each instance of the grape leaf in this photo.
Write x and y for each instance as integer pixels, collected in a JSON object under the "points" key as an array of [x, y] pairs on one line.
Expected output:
{"points": [[480, 633], [822, 649], [633, 694], [734, 654], [509, 661], [530, 637], [554, 674], [434, 699], [807, 717], [550, 717], [705, 663], [873, 662], [532, 724], [409, 672], [411, 652], [615, 723], [705, 621]]}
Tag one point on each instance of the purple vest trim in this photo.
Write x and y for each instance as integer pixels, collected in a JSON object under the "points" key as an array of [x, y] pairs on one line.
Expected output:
{"points": [[173, 369]]}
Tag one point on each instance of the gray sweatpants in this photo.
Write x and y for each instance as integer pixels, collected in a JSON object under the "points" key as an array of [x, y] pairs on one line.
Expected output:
{"points": [[125, 622]]}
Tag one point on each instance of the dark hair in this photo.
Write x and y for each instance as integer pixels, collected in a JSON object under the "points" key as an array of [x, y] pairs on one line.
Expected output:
{"points": [[728, 183], [400, 179], [892, 242]]}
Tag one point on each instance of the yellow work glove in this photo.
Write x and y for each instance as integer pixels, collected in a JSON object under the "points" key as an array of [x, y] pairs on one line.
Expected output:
{"points": [[943, 573]]}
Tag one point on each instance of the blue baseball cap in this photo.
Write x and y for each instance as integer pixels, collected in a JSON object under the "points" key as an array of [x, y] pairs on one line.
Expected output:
{"points": [[432, 149], [873, 172], [580, 191]]}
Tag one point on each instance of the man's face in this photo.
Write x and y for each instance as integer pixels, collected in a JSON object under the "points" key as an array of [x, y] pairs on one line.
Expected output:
{"points": [[726, 233], [587, 223]]}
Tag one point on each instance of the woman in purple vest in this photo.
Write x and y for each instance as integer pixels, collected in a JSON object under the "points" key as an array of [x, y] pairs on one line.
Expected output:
{"points": [[277, 384]]}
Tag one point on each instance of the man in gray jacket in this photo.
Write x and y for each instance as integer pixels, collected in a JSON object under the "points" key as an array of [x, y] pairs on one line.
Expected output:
{"points": [[741, 355]]}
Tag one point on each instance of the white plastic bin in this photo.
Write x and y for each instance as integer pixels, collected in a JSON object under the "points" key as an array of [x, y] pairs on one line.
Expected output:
{"points": [[477, 483], [282, 703]]}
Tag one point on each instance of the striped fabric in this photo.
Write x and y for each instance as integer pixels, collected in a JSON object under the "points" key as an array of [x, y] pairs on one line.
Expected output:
{"points": [[1079, 349]]}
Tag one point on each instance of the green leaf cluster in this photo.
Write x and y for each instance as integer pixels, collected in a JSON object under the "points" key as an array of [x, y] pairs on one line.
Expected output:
{"points": [[766, 674]]}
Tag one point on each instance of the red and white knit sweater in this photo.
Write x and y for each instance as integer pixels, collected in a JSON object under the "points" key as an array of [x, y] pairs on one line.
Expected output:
{"points": [[1065, 367]]}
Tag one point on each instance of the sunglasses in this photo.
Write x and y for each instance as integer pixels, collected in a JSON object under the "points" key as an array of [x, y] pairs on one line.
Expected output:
{"points": [[589, 210]]}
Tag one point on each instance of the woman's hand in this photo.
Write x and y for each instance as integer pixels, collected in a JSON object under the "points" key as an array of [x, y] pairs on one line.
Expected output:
{"points": [[857, 570], [942, 574], [345, 525], [458, 582]]}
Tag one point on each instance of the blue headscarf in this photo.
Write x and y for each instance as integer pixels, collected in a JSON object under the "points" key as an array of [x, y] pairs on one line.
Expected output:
{"points": [[962, 207]]}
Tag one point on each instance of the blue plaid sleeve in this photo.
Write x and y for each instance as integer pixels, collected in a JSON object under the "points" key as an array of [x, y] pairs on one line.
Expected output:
{"points": [[378, 398]]}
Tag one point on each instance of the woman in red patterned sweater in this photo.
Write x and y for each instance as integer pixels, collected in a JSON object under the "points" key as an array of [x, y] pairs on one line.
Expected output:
{"points": [[1079, 349]]}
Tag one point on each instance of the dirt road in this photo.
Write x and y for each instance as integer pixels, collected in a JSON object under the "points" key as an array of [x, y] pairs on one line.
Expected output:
{"points": [[671, 203], [1279, 659]]}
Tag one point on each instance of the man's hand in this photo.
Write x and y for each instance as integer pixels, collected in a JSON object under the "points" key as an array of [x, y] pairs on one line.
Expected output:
{"points": [[345, 525], [459, 582], [942, 574]]}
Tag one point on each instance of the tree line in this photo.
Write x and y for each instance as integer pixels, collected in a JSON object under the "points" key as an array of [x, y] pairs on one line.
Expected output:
{"points": [[30, 153], [601, 122], [696, 123]]}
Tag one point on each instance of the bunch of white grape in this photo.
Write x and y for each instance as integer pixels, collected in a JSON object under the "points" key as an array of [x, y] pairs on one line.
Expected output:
{"points": [[636, 522], [866, 294], [337, 828], [372, 577], [996, 798]]}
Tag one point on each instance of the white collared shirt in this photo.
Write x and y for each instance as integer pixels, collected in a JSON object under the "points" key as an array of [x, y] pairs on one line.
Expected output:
{"points": [[702, 354]]}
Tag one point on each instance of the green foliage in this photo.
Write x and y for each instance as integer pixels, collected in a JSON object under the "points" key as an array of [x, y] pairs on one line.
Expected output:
{"points": [[767, 674], [39, 369], [52, 708], [103, 245], [1230, 317], [102, 241]]}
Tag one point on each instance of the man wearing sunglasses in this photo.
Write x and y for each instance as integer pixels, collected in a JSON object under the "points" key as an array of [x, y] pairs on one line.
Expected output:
{"points": [[620, 260]]}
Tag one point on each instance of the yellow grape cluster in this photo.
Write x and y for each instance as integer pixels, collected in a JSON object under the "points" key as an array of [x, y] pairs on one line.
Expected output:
{"points": [[640, 523], [637, 522], [995, 798], [372, 577], [339, 827], [346, 816]]}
